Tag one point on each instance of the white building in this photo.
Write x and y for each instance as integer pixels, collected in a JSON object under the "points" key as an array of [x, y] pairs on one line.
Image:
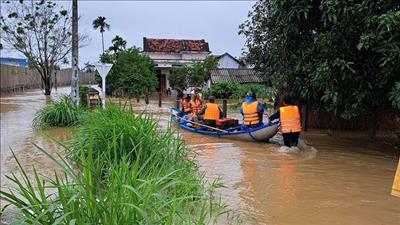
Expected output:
{"points": [[227, 61], [166, 53]]}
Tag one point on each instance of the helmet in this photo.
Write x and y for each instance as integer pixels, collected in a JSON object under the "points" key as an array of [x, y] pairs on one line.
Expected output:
{"points": [[251, 94]]}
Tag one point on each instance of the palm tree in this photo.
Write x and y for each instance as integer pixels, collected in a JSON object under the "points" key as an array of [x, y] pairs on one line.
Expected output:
{"points": [[119, 44], [100, 23]]}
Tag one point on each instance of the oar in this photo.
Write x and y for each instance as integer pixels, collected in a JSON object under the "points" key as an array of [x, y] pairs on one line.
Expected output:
{"points": [[202, 125]]}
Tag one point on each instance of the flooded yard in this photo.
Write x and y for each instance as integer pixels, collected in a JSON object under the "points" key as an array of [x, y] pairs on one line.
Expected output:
{"points": [[339, 179]]}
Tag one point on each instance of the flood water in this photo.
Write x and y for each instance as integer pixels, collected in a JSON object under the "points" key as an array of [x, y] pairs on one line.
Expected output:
{"points": [[338, 179]]}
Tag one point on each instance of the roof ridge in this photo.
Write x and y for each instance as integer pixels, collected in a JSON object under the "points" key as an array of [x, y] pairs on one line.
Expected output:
{"points": [[175, 39], [174, 45]]}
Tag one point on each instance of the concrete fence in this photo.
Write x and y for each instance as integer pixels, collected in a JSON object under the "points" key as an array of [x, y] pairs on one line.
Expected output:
{"points": [[14, 78]]}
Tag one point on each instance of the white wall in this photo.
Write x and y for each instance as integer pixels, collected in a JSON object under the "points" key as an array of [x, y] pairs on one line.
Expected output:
{"points": [[227, 62], [194, 56], [160, 55], [177, 56]]}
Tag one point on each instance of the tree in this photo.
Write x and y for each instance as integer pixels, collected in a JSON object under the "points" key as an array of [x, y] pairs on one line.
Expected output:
{"points": [[118, 44], [89, 68], [338, 55], [178, 78], [132, 73], [75, 56], [195, 74], [101, 24], [199, 71], [41, 31]]}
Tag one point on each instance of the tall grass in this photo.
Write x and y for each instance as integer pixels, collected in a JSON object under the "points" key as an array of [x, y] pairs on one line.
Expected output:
{"points": [[60, 113], [127, 172]]}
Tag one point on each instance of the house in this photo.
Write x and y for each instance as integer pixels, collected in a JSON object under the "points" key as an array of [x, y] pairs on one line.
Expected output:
{"points": [[167, 53], [242, 76], [227, 61]]}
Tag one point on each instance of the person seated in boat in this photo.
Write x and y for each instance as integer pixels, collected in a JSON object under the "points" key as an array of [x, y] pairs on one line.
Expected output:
{"points": [[289, 117], [185, 103], [195, 104], [210, 112], [252, 111]]}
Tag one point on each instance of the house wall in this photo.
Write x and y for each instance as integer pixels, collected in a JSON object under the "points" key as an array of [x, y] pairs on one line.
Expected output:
{"points": [[161, 55], [194, 56], [227, 62], [177, 56], [165, 61]]}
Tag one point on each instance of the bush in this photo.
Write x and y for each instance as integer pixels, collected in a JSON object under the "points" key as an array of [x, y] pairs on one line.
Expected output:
{"points": [[223, 90], [60, 113], [82, 95], [127, 173], [394, 97], [260, 90]]}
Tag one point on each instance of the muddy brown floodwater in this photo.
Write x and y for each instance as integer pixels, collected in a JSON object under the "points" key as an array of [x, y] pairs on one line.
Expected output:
{"points": [[17, 134], [340, 179]]}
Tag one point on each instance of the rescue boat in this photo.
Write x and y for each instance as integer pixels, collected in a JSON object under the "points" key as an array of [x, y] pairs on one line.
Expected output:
{"points": [[263, 132]]}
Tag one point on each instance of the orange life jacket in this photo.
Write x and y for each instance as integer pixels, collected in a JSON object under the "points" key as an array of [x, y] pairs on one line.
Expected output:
{"points": [[185, 106], [212, 112], [250, 113], [196, 106], [290, 119], [396, 182]]}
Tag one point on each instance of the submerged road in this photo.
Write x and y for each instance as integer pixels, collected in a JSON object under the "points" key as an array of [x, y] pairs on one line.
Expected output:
{"points": [[339, 179]]}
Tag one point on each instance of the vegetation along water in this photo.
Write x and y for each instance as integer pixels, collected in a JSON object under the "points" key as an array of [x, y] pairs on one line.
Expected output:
{"points": [[122, 170]]}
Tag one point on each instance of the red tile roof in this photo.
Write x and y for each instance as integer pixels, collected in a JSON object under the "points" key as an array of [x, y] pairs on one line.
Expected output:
{"points": [[174, 45]]}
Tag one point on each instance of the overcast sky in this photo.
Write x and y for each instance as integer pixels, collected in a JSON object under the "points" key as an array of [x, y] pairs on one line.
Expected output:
{"points": [[215, 21]]}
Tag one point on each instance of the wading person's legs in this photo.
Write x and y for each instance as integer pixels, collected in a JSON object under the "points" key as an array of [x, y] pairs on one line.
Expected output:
{"points": [[294, 138], [287, 139]]}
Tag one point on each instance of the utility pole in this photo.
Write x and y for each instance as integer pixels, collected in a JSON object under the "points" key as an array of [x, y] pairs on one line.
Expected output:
{"points": [[75, 69]]}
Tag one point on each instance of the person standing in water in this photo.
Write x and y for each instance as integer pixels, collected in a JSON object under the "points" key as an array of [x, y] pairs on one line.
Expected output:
{"points": [[289, 116], [396, 182]]}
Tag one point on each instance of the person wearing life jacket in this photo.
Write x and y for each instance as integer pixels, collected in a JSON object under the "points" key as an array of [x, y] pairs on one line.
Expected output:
{"points": [[289, 116], [396, 182], [195, 104], [252, 110], [185, 102], [210, 112]]}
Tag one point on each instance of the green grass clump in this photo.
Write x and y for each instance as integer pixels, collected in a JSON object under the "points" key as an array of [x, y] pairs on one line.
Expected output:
{"points": [[127, 172], [60, 113]]}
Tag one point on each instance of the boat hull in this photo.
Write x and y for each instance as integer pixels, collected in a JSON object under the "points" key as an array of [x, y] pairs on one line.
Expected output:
{"points": [[260, 133]]}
